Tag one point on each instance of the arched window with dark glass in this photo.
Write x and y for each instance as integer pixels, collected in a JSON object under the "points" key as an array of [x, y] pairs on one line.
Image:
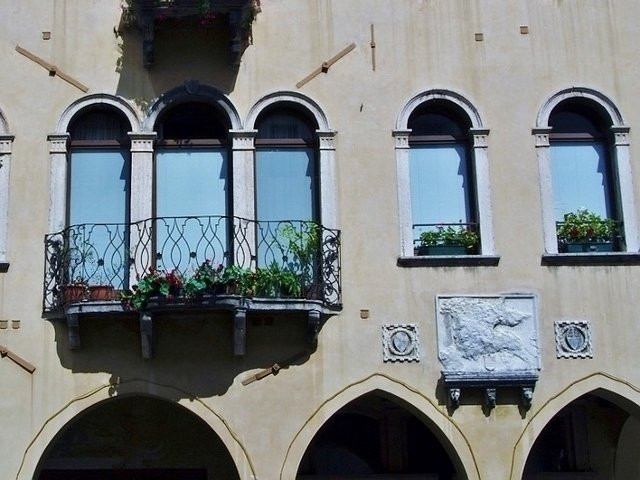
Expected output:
{"points": [[191, 187], [98, 190], [442, 186], [286, 175], [585, 204]]}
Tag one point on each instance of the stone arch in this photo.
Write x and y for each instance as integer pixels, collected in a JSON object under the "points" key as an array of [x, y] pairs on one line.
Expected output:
{"points": [[623, 394], [593, 96], [439, 94], [117, 103], [288, 97], [441, 425], [192, 91], [83, 403]]}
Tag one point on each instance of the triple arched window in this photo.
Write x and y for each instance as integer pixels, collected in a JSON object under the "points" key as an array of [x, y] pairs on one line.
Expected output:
{"points": [[194, 187]]}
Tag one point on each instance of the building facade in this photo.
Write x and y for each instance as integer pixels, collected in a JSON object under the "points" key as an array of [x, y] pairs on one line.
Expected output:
{"points": [[319, 239]]}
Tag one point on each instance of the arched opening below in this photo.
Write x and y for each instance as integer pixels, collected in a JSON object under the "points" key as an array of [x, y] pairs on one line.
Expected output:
{"points": [[374, 437], [591, 438], [136, 438]]}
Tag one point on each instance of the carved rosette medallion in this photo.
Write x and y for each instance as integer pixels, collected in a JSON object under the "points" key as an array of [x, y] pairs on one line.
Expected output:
{"points": [[400, 343], [573, 339]]}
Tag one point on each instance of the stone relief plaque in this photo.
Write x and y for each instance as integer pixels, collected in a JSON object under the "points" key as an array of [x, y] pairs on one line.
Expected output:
{"points": [[400, 343], [573, 339], [488, 336]]}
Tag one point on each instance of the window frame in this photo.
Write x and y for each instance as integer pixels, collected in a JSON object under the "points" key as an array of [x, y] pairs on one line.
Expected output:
{"points": [[619, 166], [478, 161], [6, 142]]}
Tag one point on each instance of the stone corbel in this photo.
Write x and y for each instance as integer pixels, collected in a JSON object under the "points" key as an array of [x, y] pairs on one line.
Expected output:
{"points": [[526, 396], [313, 326], [146, 335], [240, 332], [453, 397], [490, 397]]}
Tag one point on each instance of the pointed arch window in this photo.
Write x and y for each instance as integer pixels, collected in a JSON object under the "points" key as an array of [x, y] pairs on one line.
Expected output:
{"points": [[98, 193]]}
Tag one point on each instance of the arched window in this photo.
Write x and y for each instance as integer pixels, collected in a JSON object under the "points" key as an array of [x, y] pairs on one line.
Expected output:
{"points": [[443, 206], [286, 166], [98, 193], [585, 200], [584, 160], [191, 186], [286, 183]]}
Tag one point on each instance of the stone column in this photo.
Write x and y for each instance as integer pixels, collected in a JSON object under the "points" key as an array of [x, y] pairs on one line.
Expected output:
{"points": [[405, 215], [58, 181], [141, 203], [483, 190], [243, 188], [625, 178], [328, 180], [543, 152], [5, 168]]}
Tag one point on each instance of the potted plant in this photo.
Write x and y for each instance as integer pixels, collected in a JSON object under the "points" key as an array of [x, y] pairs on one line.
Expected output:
{"points": [[74, 291], [101, 290], [156, 284], [584, 231], [304, 243], [276, 282], [207, 279], [449, 240], [238, 280]]}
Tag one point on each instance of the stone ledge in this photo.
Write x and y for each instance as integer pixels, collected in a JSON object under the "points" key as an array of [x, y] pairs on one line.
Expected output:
{"points": [[590, 259], [449, 261]]}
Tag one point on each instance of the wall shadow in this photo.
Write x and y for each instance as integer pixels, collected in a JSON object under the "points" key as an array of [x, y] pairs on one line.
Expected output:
{"points": [[180, 53], [192, 352]]}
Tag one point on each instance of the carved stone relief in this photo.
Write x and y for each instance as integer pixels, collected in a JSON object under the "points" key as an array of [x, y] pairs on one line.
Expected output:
{"points": [[573, 339], [400, 343], [488, 335]]}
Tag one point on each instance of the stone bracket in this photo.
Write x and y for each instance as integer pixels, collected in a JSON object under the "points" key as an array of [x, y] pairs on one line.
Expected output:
{"points": [[240, 332], [455, 382], [146, 335], [313, 326], [73, 329]]}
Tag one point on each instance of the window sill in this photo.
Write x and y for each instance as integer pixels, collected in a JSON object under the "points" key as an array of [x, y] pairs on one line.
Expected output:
{"points": [[449, 261], [4, 267], [590, 259]]}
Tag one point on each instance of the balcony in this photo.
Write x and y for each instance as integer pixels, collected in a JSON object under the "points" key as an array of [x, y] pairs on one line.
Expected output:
{"points": [[192, 265], [232, 16]]}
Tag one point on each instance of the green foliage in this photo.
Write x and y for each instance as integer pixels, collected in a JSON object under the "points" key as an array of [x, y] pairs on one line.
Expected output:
{"points": [[153, 284], [460, 235], [304, 244], [584, 226], [276, 281]]}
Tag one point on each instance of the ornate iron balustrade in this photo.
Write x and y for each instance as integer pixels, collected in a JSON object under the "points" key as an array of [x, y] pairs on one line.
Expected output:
{"points": [[117, 255]]}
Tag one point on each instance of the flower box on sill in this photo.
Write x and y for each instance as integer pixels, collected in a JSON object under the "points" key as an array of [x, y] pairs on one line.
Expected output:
{"points": [[587, 247], [442, 250]]}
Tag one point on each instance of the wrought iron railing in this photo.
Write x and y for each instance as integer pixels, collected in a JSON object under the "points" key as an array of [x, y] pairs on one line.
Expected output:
{"points": [[117, 255]]}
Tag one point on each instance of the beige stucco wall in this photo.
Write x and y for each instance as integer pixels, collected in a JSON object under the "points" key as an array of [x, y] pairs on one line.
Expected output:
{"points": [[420, 45]]}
